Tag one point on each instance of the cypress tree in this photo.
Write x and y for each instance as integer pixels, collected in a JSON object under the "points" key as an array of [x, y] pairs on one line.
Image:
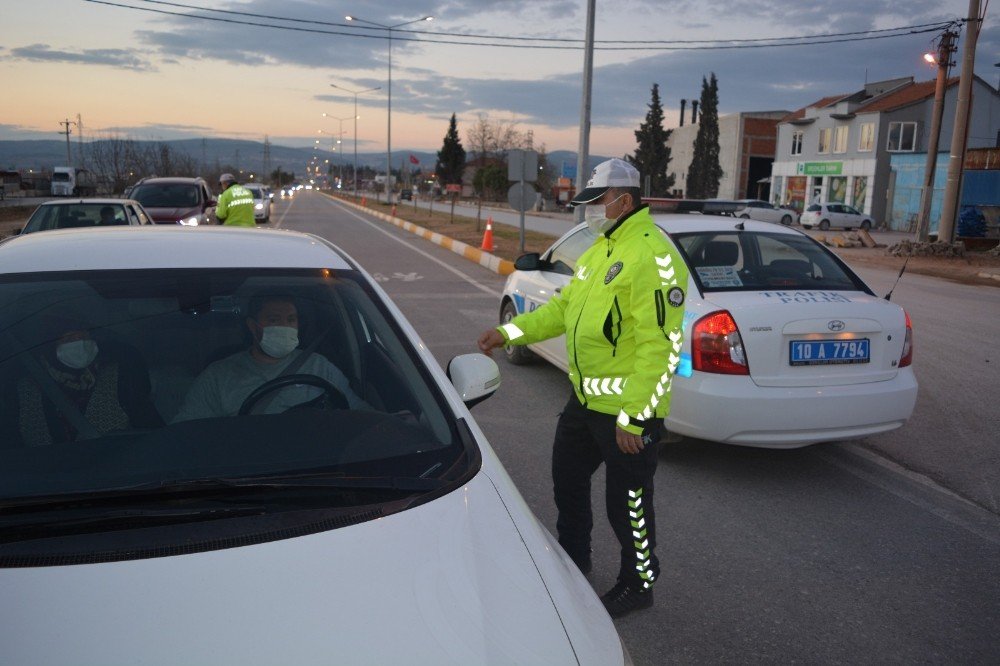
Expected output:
{"points": [[451, 157], [652, 155], [706, 171]]}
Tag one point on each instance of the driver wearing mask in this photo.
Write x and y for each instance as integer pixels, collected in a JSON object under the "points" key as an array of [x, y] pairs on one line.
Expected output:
{"points": [[222, 387]]}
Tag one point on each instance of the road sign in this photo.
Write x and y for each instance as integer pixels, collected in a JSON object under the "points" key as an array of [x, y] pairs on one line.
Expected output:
{"points": [[521, 196], [522, 165]]}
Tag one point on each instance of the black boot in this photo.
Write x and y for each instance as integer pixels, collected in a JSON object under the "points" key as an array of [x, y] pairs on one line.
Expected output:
{"points": [[623, 598]]}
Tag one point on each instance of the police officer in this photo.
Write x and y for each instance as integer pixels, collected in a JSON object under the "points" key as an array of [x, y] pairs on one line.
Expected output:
{"points": [[235, 207], [622, 314]]}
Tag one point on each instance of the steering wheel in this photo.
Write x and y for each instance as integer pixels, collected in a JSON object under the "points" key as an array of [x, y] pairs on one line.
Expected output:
{"points": [[332, 397]]}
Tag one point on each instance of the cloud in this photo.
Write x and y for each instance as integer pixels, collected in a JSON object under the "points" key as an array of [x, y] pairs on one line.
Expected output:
{"points": [[749, 80], [118, 58]]}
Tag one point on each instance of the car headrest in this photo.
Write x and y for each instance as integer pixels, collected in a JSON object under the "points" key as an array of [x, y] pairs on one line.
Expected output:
{"points": [[720, 253]]}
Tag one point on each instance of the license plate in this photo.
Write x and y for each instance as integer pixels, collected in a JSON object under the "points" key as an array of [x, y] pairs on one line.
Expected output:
{"points": [[829, 352]]}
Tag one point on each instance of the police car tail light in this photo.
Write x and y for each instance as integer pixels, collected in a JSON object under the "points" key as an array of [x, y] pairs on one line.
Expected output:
{"points": [[907, 356], [716, 345]]}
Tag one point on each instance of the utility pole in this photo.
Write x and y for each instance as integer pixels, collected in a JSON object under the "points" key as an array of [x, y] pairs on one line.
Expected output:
{"points": [[79, 138], [267, 159], [583, 151], [960, 135], [67, 131], [945, 49]]}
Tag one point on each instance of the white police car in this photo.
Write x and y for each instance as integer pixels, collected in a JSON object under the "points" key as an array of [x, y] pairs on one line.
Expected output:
{"points": [[784, 345], [387, 533]]}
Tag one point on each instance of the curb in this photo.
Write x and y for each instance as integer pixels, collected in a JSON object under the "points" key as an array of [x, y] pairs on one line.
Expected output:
{"points": [[484, 259]]}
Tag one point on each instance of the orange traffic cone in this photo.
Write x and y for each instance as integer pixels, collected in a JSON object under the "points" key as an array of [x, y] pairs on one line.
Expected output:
{"points": [[488, 236], [364, 201], [394, 210]]}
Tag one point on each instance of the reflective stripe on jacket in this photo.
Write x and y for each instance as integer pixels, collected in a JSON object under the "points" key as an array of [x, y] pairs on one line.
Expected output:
{"points": [[235, 207], [622, 314]]}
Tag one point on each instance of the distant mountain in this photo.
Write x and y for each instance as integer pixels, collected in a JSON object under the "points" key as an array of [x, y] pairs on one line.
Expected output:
{"points": [[247, 155]]}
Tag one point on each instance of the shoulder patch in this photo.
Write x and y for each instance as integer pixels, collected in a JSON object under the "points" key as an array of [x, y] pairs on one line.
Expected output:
{"points": [[675, 297], [613, 272]]}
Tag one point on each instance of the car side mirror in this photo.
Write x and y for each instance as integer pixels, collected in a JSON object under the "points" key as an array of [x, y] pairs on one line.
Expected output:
{"points": [[475, 377], [531, 261]]}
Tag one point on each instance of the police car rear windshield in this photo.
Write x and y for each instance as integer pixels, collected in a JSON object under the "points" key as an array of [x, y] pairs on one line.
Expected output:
{"points": [[748, 261]]}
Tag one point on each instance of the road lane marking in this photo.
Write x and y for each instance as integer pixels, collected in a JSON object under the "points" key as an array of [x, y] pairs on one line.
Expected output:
{"points": [[474, 283], [277, 225], [914, 488]]}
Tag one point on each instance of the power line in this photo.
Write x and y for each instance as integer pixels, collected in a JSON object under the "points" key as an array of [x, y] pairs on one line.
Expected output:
{"points": [[720, 45], [356, 26]]}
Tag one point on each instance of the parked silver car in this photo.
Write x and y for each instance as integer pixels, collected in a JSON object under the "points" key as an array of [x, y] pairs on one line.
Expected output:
{"points": [[756, 209], [827, 215]]}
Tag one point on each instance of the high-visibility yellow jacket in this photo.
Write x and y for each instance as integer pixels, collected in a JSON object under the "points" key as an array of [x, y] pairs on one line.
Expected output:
{"points": [[622, 314], [235, 207]]}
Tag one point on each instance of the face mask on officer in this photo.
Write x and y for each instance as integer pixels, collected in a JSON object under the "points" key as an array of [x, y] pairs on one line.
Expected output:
{"points": [[596, 216]]}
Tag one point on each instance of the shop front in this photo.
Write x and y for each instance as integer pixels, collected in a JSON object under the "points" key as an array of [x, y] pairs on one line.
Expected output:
{"points": [[823, 182]]}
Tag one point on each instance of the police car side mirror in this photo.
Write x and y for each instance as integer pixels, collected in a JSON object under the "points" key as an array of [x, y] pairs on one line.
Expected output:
{"points": [[475, 377], [531, 261]]}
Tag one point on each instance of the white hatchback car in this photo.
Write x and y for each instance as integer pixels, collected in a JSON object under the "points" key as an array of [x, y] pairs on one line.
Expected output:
{"points": [[261, 203], [756, 209], [834, 215], [784, 345], [388, 534]]}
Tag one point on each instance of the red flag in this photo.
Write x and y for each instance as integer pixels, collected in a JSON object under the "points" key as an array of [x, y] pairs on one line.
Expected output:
{"points": [[414, 160]]}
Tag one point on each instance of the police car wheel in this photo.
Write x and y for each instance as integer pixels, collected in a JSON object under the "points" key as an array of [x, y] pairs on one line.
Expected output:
{"points": [[518, 355]]}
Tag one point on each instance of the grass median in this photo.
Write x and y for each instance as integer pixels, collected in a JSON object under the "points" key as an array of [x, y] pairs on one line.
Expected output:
{"points": [[506, 239]]}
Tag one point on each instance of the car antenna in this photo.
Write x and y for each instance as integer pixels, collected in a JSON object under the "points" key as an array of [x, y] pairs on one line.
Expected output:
{"points": [[740, 226], [888, 296]]}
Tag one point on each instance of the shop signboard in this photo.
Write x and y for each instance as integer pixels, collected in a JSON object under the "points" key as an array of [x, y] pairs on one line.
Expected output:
{"points": [[820, 168]]}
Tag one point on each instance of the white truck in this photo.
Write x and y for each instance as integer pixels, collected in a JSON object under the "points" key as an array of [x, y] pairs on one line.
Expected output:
{"points": [[70, 181]]}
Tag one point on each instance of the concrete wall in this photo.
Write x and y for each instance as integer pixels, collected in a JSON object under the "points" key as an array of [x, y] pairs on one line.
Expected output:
{"points": [[741, 136]]}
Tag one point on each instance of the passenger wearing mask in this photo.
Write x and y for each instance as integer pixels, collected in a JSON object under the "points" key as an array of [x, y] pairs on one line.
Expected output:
{"points": [[75, 388], [222, 387]]}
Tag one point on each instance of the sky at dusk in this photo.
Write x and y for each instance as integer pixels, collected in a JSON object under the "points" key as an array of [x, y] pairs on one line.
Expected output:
{"points": [[147, 75]]}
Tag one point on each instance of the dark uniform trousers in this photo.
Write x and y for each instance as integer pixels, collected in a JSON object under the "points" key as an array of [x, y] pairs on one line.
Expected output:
{"points": [[585, 439]]}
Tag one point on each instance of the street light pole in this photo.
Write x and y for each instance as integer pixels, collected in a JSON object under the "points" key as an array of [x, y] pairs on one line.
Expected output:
{"points": [[388, 143], [943, 59], [583, 150], [960, 133], [355, 93], [340, 138]]}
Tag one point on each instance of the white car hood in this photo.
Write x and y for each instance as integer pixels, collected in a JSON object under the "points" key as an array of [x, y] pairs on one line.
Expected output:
{"points": [[447, 582]]}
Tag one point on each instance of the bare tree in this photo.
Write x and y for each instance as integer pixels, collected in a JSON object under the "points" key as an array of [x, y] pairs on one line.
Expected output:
{"points": [[489, 141], [119, 162], [488, 138]]}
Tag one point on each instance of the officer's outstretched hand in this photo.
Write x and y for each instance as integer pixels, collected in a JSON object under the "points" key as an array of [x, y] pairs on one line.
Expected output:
{"points": [[627, 442], [490, 340]]}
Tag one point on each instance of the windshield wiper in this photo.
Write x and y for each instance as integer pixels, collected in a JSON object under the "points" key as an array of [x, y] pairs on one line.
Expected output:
{"points": [[33, 524], [310, 480], [210, 485]]}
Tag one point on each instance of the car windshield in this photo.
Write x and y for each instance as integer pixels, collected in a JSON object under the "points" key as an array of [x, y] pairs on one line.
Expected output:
{"points": [[162, 195], [72, 215], [257, 194], [749, 261], [141, 379]]}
